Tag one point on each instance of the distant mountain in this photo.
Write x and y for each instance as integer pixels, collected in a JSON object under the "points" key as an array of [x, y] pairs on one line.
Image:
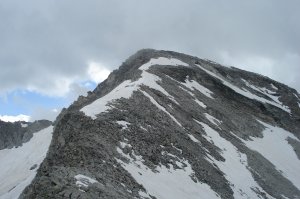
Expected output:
{"points": [[23, 146], [14, 134], [167, 125]]}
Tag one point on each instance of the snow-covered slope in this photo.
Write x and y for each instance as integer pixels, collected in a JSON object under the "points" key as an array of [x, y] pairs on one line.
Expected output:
{"points": [[19, 165], [274, 146], [168, 125]]}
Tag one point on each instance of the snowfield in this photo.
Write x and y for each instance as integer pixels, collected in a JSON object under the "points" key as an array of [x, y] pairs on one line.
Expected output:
{"points": [[17, 167]]}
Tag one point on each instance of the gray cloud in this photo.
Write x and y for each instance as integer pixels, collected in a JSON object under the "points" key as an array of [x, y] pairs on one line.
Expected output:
{"points": [[45, 43]]}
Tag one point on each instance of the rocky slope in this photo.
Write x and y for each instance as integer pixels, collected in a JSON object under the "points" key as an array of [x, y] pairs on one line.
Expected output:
{"points": [[168, 125]]}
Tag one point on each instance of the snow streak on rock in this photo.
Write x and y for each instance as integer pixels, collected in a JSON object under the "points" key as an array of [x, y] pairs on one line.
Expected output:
{"points": [[200, 103], [267, 92], [193, 85], [124, 124], [84, 181], [212, 119], [161, 107], [193, 138], [274, 87], [164, 62]]}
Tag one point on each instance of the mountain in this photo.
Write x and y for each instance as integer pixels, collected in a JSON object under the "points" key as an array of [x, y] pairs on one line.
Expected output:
{"points": [[23, 146], [167, 125], [16, 133]]}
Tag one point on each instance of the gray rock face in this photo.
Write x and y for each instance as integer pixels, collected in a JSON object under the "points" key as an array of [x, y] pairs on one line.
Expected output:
{"points": [[17, 133], [199, 116]]}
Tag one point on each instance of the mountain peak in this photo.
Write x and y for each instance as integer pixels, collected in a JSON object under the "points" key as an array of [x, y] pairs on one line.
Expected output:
{"points": [[170, 125]]}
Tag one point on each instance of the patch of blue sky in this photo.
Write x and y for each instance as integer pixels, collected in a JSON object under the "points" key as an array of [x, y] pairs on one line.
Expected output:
{"points": [[24, 102]]}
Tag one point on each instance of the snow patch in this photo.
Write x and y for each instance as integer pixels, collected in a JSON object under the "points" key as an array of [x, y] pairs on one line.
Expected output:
{"points": [[212, 119], [143, 194], [268, 93], [200, 103], [84, 181], [262, 90], [281, 154], [189, 92], [274, 87], [163, 61], [193, 138], [167, 183], [165, 153], [176, 148], [143, 128], [124, 90], [234, 167], [124, 144], [193, 85], [16, 168], [123, 123], [284, 197], [150, 80], [298, 99]]}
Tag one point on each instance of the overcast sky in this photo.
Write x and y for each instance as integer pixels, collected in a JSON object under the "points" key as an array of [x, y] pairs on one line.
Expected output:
{"points": [[51, 50]]}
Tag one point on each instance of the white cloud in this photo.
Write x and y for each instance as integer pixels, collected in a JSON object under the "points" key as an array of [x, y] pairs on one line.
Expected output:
{"points": [[45, 113], [76, 90], [78, 48], [87, 84], [56, 87], [284, 69], [97, 72], [259, 64], [10, 118]]}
